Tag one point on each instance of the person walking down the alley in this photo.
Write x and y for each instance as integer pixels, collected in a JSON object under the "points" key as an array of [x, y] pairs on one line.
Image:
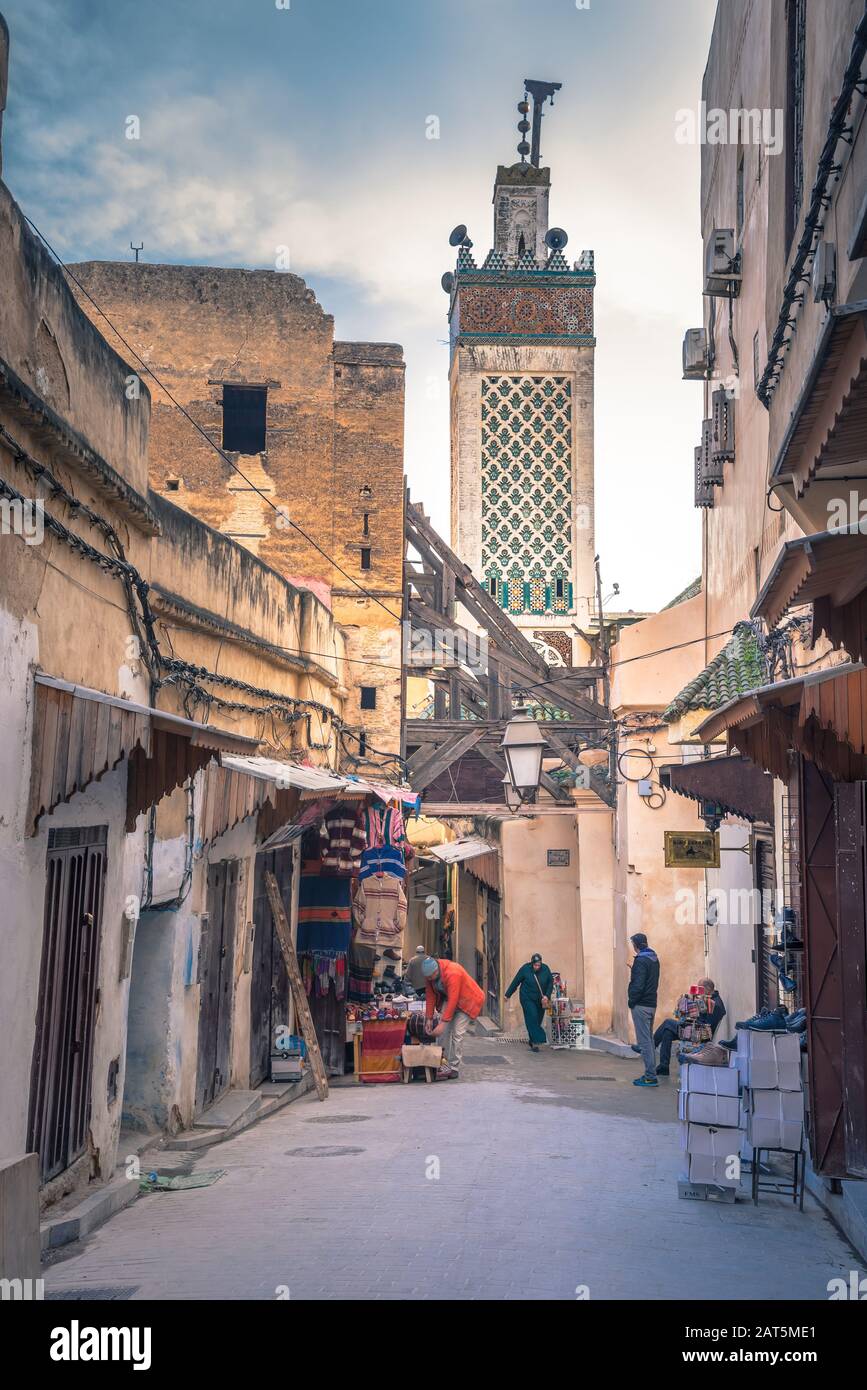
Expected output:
{"points": [[454, 994], [643, 986], [536, 983]]}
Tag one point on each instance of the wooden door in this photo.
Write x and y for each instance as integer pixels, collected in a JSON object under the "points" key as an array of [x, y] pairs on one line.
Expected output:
{"points": [[493, 989], [823, 969], [269, 983], [851, 818], [217, 978], [62, 1069]]}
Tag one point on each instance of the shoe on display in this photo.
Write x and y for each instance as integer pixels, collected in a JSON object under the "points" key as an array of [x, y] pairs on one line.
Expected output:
{"points": [[711, 1055], [730, 1044], [645, 1081], [797, 1023], [760, 1020]]}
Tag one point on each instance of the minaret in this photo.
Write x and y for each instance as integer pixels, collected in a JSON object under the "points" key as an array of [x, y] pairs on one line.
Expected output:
{"points": [[521, 377]]}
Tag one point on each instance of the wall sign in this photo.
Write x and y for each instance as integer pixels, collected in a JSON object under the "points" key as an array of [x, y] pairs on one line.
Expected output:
{"points": [[558, 858], [691, 849]]}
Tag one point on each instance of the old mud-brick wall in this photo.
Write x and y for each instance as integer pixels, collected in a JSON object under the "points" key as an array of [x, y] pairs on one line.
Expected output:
{"points": [[333, 456]]}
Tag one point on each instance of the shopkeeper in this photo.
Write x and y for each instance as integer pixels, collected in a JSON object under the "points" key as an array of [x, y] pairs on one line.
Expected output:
{"points": [[452, 992], [536, 983]]}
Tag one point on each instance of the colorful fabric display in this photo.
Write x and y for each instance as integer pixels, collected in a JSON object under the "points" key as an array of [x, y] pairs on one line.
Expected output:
{"points": [[362, 960], [324, 914], [387, 847], [381, 1044], [380, 911], [322, 968], [341, 841]]}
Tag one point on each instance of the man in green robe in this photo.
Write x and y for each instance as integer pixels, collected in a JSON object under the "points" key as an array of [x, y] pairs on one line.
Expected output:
{"points": [[536, 983]]}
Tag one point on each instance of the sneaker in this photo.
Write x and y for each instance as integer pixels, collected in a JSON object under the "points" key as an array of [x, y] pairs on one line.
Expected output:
{"points": [[730, 1045], [797, 1023], [645, 1081], [635, 1047], [768, 1020], [446, 1074], [662, 1071]]}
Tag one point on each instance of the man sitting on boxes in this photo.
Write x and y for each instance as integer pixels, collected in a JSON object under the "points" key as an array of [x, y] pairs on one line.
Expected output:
{"points": [[669, 1029], [450, 990]]}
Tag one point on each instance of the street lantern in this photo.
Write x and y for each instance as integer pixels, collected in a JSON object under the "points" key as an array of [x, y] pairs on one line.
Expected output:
{"points": [[511, 797], [522, 745]]}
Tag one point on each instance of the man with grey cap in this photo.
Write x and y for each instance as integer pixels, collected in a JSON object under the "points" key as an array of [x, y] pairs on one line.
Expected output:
{"points": [[454, 994]]}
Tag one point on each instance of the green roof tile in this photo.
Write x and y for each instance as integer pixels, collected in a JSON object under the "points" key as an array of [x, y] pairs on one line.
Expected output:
{"points": [[736, 670]]}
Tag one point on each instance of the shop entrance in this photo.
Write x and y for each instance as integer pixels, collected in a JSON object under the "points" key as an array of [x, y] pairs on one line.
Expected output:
{"points": [[493, 990], [269, 983], [62, 1070], [216, 974]]}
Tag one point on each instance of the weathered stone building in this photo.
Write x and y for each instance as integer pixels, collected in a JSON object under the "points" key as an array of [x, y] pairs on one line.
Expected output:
{"points": [[313, 428]]}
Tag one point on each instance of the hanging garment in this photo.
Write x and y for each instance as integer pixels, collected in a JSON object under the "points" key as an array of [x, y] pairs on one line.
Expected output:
{"points": [[380, 911], [360, 965], [324, 914], [387, 847], [341, 841]]}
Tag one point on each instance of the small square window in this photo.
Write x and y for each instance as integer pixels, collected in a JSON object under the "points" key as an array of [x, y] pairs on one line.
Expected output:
{"points": [[244, 419], [365, 557], [368, 697]]}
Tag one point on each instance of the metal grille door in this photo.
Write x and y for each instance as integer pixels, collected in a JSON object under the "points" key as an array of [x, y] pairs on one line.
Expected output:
{"points": [[60, 1086]]}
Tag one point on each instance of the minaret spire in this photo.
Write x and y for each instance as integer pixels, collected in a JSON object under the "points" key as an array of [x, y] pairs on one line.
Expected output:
{"points": [[540, 92]]}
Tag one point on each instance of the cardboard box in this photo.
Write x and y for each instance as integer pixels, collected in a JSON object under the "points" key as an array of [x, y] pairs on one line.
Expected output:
{"points": [[775, 1119], [769, 1061], [711, 1081], [711, 1150], [421, 1055], [719, 1110]]}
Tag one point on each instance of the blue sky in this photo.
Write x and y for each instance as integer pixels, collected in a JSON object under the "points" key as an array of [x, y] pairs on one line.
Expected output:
{"points": [[305, 127]]}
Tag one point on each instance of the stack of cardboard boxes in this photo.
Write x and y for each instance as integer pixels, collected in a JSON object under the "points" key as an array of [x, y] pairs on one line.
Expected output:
{"points": [[709, 1109], [769, 1065]]}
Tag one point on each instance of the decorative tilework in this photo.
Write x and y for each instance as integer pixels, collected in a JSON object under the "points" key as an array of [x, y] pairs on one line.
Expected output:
{"points": [[527, 491], [530, 310]]}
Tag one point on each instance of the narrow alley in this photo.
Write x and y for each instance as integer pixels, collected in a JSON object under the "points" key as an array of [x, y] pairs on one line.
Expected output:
{"points": [[556, 1180]]}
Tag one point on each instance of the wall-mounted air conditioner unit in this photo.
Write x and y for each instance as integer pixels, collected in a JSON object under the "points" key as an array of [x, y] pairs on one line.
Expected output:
{"points": [[694, 354], [722, 266]]}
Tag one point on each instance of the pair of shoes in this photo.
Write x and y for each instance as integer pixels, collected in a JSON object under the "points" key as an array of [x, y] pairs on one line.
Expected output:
{"points": [[789, 985], [635, 1047], [766, 1021], [662, 1071], [446, 1073], [645, 1081], [797, 1022]]}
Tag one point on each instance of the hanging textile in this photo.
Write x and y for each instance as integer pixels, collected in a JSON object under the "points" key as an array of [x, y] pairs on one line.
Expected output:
{"points": [[362, 960], [380, 911], [324, 913], [342, 840], [381, 1043], [387, 847]]}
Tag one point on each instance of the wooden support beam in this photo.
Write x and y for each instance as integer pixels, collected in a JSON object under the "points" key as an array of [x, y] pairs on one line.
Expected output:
{"points": [[423, 773]]}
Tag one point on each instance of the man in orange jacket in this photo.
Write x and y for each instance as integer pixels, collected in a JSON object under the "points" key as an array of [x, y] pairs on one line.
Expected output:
{"points": [[449, 989]]}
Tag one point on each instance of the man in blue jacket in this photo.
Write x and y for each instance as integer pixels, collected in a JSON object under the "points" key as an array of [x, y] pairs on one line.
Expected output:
{"points": [[643, 986]]}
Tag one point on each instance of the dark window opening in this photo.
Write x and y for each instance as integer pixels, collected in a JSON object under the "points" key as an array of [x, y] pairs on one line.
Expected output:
{"points": [[368, 697], [366, 524], [244, 419], [740, 195], [362, 745], [173, 484], [796, 45], [560, 588], [365, 557], [492, 585]]}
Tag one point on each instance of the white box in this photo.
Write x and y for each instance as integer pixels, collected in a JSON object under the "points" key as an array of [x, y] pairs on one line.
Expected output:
{"points": [[711, 1081], [711, 1153], [703, 1109], [775, 1119], [716, 1170], [769, 1061]]}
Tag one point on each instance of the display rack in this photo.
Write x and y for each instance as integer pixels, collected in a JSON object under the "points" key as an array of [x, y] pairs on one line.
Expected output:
{"points": [[568, 1026]]}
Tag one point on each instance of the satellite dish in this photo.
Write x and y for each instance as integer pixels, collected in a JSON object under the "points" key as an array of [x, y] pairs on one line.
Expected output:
{"points": [[448, 282], [457, 235], [556, 239]]}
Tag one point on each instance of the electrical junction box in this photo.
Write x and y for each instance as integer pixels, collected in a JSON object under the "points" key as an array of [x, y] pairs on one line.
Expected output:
{"points": [[645, 787]]}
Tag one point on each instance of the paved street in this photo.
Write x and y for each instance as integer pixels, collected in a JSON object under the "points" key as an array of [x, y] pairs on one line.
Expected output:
{"points": [[554, 1172]]}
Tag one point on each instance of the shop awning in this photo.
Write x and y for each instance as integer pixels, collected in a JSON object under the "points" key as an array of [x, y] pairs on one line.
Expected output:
{"points": [[80, 734], [732, 782], [830, 565], [822, 715], [456, 851], [313, 782], [826, 431]]}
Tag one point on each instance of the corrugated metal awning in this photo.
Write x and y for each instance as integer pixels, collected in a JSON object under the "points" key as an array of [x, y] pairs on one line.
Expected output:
{"points": [[80, 734], [456, 851]]}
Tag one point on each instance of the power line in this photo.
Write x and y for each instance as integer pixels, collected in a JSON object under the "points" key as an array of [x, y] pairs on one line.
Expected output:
{"points": [[196, 426]]}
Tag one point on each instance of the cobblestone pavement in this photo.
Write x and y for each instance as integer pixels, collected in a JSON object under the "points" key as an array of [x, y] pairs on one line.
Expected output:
{"points": [[529, 1177]]}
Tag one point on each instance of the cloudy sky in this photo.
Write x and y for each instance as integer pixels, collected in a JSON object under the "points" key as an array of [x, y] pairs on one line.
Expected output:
{"points": [[304, 123]]}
